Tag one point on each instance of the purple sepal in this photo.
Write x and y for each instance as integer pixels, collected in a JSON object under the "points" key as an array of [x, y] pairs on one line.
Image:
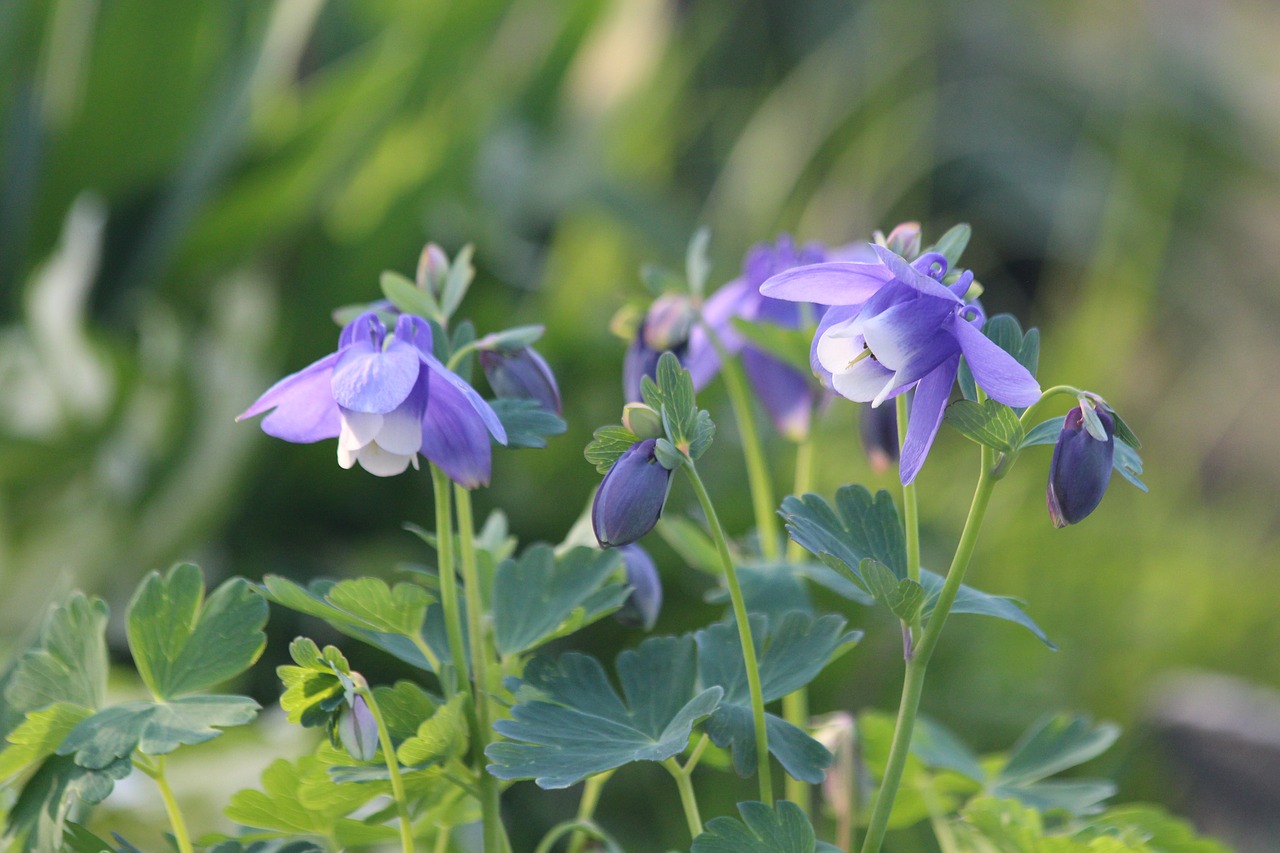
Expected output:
{"points": [[521, 374], [631, 496], [304, 408]]}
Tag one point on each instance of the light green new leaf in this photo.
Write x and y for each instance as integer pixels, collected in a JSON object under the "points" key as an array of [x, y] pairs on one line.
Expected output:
{"points": [[782, 829], [404, 706], [607, 444], [37, 819], [439, 738], [313, 688], [990, 423], [408, 297], [572, 723], [155, 728], [69, 663], [39, 735], [540, 596], [181, 643], [904, 597]]}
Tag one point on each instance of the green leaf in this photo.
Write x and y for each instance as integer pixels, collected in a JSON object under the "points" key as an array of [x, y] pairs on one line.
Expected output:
{"points": [[281, 808], [39, 736], [442, 736], [903, 596], [697, 266], [77, 839], [691, 542], [1005, 332], [313, 688], [864, 527], [1123, 431], [789, 657], [404, 706], [38, 816], [979, 603], [1056, 743], [781, 829], [404, 602], [704, 431], [679, 408], [667, 454], [989, 423], [790, 346], [517, 337], [607, 444], [68, 663], [953, 243], [408, 297], [572, 723], [1074, 796], [154, 728], [526, 422], [461, 272], [1163, 832], [938, 748], [540, 596], [181, 643]]}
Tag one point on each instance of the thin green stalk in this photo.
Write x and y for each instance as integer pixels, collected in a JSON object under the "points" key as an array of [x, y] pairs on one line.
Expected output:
{"points": [[579, 828], [752, 450], [154, 768], [480, 656], [913, 682], [687, 799], [442, 839], [910, 511], [587, 808], [744, 632], [449, 583], [393, 766], [803, 484], [795, 706]]}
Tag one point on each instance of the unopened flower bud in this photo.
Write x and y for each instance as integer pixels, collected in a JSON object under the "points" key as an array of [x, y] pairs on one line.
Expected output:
{"points": [[358, 731], [878, 426], [1080, 470], [645, 602], [643, 421], [630, 499], [904, 240], [433, 269], [668, 322], [523, 374]]}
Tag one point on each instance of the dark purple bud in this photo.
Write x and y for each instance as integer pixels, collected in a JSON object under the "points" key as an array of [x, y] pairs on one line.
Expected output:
{"points": [[522, 374], [357, 730], [878, 426], [645, 602], [630, 499], [1080, 470]]}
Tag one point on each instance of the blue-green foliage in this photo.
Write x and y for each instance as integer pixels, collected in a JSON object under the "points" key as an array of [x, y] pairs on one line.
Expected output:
{"points": [[781, 829]]}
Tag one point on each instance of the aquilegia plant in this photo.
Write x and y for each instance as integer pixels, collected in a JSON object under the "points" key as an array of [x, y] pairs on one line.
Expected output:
{"points": [[421, 763]]}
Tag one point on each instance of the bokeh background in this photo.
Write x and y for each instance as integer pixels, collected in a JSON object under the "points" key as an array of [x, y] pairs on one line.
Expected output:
{"points": [[188, 189]]}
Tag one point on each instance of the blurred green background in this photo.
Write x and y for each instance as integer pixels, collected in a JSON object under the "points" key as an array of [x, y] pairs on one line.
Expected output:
{"points": [[187, 190]]}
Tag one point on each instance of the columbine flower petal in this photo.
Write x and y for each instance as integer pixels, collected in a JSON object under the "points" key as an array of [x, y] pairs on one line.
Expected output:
{"points": [[456, 427], [927, 408], [368, 378], [913, 274], [834, 283], [995, 371], [304, 408]]}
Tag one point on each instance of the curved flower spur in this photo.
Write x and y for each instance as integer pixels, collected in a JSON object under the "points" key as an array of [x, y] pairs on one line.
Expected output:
{"points": [[894, 326]]}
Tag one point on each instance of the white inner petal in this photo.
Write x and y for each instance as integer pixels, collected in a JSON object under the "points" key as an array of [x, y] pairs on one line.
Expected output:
{"points": [[401, 431], [863, 382], [358, 429], [840, 345], [382, 463], [346, 457]]}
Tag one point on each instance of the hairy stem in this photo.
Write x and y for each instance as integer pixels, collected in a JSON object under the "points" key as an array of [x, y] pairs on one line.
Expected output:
{"points": [[913, 682], [744, 632], [494, 840]]}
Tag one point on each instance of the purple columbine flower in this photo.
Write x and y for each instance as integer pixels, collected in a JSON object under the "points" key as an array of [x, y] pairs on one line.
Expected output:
{"points": [[645, 602], [1080, 469], [894, 326], [631, 496], [523, 374], [386, 399], [357, 730]]}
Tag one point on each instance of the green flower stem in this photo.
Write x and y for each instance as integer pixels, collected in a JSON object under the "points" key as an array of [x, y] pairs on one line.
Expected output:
{"points": [[154, 767], [910, 510], [687, 799], [913, 682], [1057, 390], [803, 484], [449, 583], [752, 450], [393, 765], [744, 632], [442, 839], [795, 706], [587, 809], [494, 839]]}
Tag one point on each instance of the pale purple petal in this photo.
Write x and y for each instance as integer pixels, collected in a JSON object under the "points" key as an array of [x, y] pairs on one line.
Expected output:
{"points": [[304, 406], [927, 407], [415, 331], [835, 283], [900, 333], [700, 358], [912, 277], [787, 394], [488, 417], [367, 327], [995, 371], [368, 379], [454, 436]]}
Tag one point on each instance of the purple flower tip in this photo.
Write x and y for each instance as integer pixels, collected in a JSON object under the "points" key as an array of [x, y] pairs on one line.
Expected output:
{"points": [[631, 496], [645, 602], [1080, 469], [357, 730]]}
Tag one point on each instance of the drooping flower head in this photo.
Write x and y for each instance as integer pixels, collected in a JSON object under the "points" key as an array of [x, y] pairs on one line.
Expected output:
{"points": [[386, 399], [631, 496], [894, 326], [1080, 469], [521, 373]]}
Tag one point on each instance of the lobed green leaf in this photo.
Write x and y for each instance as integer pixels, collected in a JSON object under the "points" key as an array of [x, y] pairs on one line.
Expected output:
{"points": [[781, 829], [541, 596], [989, 423], [607, 444], [69, 661], [154, 728]]}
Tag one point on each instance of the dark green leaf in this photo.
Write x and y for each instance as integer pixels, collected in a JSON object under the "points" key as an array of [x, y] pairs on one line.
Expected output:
{"points": [[607, 444], [865, 527], [1005, 332], [1123, 432], [1075, 796], [1054, 744], [540, 596], [787, 345], [572, 723], [77, 839], [526, 422], [904, 597], [1045, 432], [181, 643], [68, 663], [990, 423], [979, 603], [781, 829], [155, 728]]}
